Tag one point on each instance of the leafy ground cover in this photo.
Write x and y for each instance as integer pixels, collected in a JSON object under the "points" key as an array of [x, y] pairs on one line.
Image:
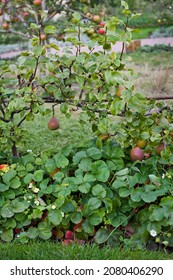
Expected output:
{"points": [[53, 251]]}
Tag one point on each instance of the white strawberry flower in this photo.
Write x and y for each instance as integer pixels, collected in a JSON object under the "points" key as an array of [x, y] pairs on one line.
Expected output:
{"points": [[36, 202], [53, 206], [153, 233], [35, 190], [30, 185]]}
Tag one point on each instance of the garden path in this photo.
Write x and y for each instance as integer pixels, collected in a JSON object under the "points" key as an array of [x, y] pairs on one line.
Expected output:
{"points": [[117, 47]]}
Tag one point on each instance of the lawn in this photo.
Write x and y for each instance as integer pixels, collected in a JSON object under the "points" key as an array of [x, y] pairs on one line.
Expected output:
{"points": [[39, 250], [154, 72]]}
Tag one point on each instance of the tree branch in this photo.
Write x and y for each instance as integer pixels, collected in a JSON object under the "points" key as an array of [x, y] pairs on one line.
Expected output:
{"points": [[16, 32]]}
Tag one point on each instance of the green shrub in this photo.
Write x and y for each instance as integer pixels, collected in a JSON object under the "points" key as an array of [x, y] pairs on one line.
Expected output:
{"points": [[163, 32], [155, 48]]}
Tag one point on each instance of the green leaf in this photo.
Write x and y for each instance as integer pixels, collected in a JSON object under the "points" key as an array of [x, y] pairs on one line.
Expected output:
{"points": [[122, 172], [94, 153], [9, 194], [96, 218], [9, 223], [76, 217], [99, 191], [7, 235], [88, 228], [118, 184], [54, 46], [108, 204], [50, 165], [10, 174], [157, 213], [116, 106], [124, 4], [94, 203], [38, 175], [69, 206], [33, 232], [78, 156], [15, 183], [85, 187], [136, 195], [124, 192], [61, 160], [7, 211], [55, 216], [64, 108], [36, 214], [34, 26], [19, 206], [85, 164], [3, 187], [100, 170], [44, 232], [118, 219], [27, 158], [38, 50], [80, 80], [49, 29], [76, 15], [149, 197], [28, 178], [59, 201], [101, 236]]}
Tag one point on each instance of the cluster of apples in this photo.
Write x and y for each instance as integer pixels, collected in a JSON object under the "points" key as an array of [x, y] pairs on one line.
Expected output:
{"points": [[137, 152]]}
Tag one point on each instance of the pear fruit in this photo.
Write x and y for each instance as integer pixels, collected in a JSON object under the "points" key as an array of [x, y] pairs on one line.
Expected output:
{"points": [[160, 148], [53, 124], [136, 153]]}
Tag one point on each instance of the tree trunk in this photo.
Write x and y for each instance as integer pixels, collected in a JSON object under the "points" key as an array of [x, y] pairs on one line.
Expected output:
{"points": [[14, 150]]}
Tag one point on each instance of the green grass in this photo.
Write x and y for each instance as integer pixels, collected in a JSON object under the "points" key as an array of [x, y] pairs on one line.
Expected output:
{"points": [[37, 250], [40, 139], [156, 58], [142, 33]]}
